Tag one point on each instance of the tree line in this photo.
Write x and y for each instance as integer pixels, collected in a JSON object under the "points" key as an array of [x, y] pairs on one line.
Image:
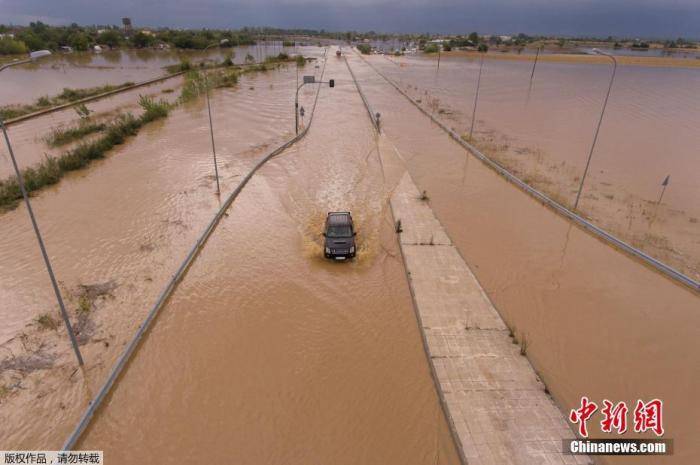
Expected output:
{"points": [[40, 36]]}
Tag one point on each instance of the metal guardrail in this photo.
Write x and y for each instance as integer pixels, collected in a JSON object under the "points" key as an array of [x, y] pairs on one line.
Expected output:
{"points": [[372, 114], [559, 208], [63, 106], [148, 82], [172, 284]]}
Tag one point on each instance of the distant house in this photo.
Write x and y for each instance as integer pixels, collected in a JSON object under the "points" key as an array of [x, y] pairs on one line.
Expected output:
{"points": [[147, 32], [8, 36], [97, 49], [66, 49]]}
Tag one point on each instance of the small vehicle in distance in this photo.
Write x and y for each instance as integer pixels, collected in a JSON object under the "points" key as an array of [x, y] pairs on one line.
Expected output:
{"points": [[338, 53], [339, 236]]}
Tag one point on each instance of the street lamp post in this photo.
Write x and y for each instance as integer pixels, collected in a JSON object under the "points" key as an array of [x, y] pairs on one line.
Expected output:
{"points": [[600, 121], [307, 80], [54, 283], [534, 65], [211, 125], [476, 96]]}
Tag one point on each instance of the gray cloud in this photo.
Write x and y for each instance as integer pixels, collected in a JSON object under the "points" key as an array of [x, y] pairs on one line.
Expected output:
{"points": [[647, 18]]}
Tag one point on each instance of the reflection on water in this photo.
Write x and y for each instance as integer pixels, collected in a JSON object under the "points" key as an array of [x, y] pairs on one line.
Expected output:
{"points": [[598, 323]]}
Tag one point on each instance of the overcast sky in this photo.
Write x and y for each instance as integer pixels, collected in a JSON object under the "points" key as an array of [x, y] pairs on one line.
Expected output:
{"points": [[630, 18]]}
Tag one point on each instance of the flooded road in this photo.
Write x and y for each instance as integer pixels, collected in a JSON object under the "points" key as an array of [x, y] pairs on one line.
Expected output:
{"points": [[268, 353], [115, 232], [543, 133], [598, 323]]}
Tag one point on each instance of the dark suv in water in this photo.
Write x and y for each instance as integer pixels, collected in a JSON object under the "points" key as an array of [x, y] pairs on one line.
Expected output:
{"points": [[340, 236]]}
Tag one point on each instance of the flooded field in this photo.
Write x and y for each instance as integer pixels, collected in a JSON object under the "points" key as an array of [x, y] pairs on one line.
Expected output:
{"points": [[25, 83], [543, 132], [115, 232], [31, 137], [268, 353], [597, 322]]}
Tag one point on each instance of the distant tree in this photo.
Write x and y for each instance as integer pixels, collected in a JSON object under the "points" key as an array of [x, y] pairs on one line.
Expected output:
{"points": [[110, 37], [446, 47], [10, 46], [31, 40], [483, 48], [431, 48], [249, 58], [79, 41], [141, 40], [473, 37], [365, 49]]}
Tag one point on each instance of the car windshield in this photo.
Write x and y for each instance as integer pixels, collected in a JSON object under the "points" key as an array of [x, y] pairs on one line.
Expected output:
{"points": [[339, 231]]}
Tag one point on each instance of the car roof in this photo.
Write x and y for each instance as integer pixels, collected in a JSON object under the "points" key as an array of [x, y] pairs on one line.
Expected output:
{"points": [[339, 218]]}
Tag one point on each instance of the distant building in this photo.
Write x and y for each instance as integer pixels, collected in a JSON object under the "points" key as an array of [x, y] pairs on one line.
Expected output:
{"points": [[127, 25]]}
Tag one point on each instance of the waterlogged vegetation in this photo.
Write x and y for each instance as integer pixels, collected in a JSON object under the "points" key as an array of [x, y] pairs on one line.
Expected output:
{"points": [[365, 49], [67, 96], [52, 169], [114, 133], [63, 136]]}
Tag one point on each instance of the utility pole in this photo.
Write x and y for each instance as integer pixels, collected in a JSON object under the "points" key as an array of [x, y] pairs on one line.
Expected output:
{"points": [[600, 121], [476, 97], [47, 261], [534, 65], [211, 124]]}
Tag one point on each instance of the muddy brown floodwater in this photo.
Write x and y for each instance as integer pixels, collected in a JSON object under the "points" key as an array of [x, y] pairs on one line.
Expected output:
{"points": [[543, 133], [25, 83], [268, 353], [597, 322], [115, 232]]}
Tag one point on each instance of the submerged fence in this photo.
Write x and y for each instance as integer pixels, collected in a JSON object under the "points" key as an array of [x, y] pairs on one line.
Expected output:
{"points": [[143, 328]]}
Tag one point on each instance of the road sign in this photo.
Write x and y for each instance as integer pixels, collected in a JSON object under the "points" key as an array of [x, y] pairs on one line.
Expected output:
{"points": [[309, 79]]}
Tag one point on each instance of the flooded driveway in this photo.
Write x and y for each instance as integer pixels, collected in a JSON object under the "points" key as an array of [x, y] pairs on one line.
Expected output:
{"points": [[268, 353], [597, 322]]}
